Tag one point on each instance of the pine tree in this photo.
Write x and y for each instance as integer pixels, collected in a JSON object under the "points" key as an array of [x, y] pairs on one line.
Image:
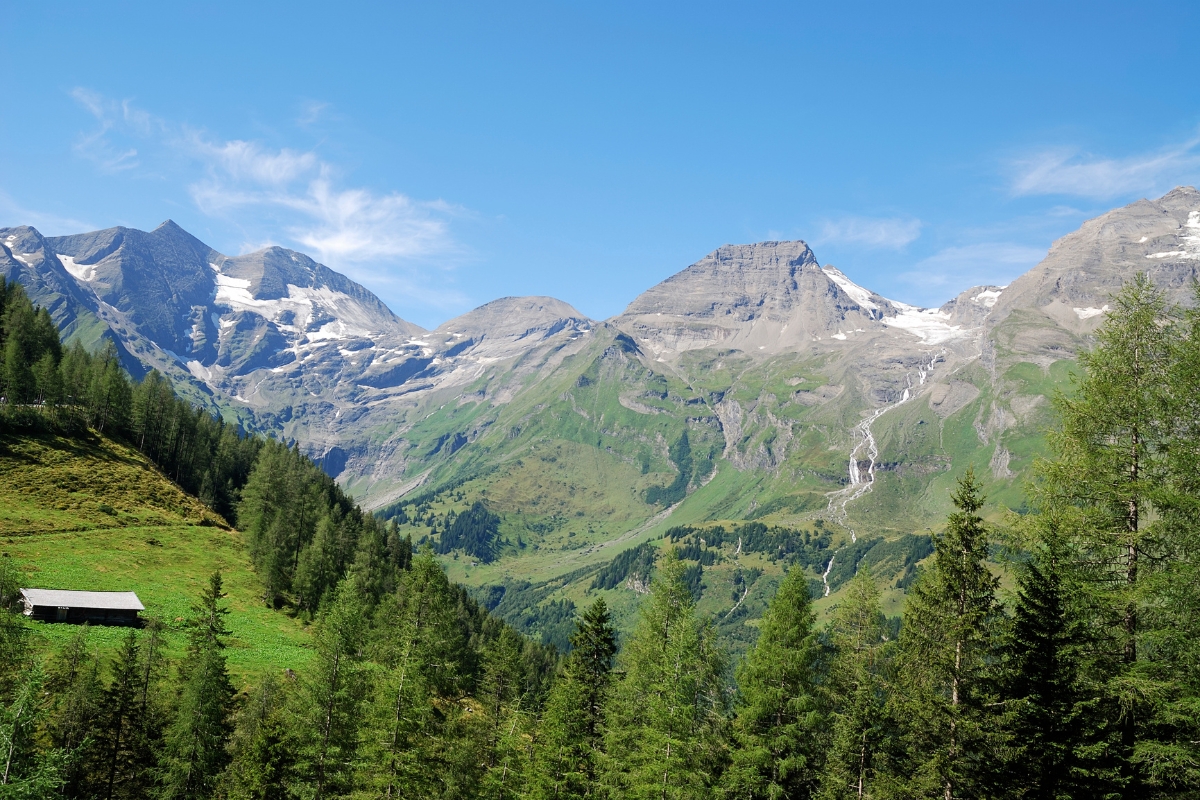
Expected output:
{"points": [[260, 748], [194, 748], [777, 730], [330, 699], [73, 683], [571, 736], [856, 691], [419, 648], [949, 627], [666, 722], [1060, 745], [127, 734]]}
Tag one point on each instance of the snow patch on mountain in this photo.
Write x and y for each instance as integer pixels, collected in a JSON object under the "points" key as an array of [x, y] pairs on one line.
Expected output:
{"points": [[1088, 313], [83, 272], [931, 325], [988, 297], [859, 294]]}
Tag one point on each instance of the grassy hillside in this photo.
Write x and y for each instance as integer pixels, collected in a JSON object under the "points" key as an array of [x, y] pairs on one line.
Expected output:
{"points": [[91, 514]]}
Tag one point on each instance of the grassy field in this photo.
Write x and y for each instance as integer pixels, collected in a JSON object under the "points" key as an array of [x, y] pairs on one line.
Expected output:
{"points": [[95, 515]]}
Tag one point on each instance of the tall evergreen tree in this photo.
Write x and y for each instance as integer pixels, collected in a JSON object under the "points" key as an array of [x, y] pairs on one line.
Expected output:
{"points": [[855, 691], [573, 724], [73, 682], [419, 647], [194, 748], [948, 635], [128, 732], [1109, 464], [1060, 744], [260, 747], [777, 732], [328, 721], [666, 723]]}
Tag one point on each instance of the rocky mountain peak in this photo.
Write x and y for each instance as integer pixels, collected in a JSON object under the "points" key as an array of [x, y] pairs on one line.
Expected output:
{"points": [[1072, 286], [761, 298]]}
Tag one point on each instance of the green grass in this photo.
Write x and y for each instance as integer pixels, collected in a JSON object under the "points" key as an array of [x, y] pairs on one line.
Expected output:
{"points": [[95, 515]]}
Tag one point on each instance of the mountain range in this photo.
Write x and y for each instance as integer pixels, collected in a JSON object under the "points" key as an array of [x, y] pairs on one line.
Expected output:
{"points": [[756, 384]]}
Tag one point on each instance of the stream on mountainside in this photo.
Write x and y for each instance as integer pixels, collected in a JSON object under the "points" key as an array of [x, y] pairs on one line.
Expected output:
{"points": [[861, 482]]}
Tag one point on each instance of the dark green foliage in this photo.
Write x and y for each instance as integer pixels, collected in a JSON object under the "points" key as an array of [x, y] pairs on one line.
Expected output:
{"points": [[327, 716], [474, 532], [130, 723], [855, 692], [194, 747], [636, 563], [567, 758], [778, 721], [667, 720], [681, 456], [1061, 746], [949, 633]]}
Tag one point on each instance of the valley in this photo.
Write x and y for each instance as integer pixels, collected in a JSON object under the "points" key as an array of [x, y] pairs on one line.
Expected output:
{"points": [[756, 385]]}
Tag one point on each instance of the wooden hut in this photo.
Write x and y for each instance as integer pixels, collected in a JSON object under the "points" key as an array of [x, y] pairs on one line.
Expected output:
{"points": [[96, 608]]}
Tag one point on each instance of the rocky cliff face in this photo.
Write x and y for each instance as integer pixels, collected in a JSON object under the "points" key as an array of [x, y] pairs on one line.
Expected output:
{"points": [[798, 392]]}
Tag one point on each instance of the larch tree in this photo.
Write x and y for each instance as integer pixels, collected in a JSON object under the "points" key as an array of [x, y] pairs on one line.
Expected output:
{"points": [[194, 752], [1108, 466]]}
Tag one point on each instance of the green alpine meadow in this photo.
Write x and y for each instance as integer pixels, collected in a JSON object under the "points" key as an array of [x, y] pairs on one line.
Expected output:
{"points": [[599, 401], [1038, 638]]}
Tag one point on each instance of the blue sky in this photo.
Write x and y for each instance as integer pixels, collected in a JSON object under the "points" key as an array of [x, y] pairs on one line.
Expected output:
{"points": [[447, 154]]}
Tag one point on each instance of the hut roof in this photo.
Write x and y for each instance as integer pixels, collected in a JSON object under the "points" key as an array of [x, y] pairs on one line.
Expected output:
{"points": [[117, 601]]}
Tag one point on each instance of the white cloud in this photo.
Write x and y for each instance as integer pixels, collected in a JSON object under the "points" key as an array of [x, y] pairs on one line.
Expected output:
{"points": [[1070, 172], [875, 232], [12, 214], [281, 189], [310, 112], [958, 268]]}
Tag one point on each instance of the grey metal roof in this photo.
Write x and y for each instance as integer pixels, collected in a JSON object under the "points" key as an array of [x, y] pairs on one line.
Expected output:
{"points": [[118, 601]]}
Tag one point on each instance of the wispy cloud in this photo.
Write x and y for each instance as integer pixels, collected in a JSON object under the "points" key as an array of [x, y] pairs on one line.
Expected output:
{"points": [[310, 112], [1070, 172], [364, 232], [891, 233], [97, 145], [13, 213], [957, 268]]}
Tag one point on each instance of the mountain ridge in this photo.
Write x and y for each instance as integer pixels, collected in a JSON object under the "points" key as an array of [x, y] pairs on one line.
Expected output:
{"points": [[800, 394]]}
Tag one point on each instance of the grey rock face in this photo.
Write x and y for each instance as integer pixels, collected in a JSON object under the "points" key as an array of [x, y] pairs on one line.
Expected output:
{"points": [[289, 346], [1073, 284], [761, 298]]}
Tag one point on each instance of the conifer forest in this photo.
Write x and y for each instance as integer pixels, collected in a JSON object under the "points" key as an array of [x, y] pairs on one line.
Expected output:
{"points": [[1052, 654]]}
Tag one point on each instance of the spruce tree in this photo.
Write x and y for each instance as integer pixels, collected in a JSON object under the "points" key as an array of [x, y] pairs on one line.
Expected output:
{"points": [[950, 625], [328, 718], [128, 732], [194, 748], [74, 685], [1059, 745], [777, 731], [666, 723], [261, 751], [856, 691], [570, 739]]}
